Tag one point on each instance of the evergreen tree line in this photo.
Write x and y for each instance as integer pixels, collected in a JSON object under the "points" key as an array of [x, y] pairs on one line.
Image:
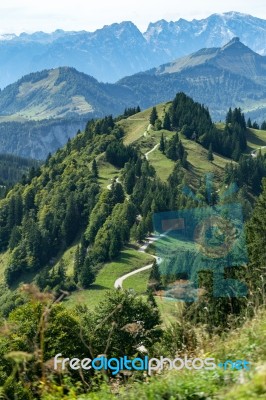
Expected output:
{"points": [[255, 125], [248, 172], [173, 149], [194, 121], [131, 111]]}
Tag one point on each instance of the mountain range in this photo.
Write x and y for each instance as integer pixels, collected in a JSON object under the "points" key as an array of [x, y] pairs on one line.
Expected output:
{"points": [[230, 76], [37, 111], [121, 49]]}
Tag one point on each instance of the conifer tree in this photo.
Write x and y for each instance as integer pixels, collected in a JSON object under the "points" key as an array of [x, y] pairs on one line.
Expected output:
{"points": [[87, 274], [167, 122], [162, 144], [210, 153], [153, 116], [94, 169], [155, 277], [76, 265]]}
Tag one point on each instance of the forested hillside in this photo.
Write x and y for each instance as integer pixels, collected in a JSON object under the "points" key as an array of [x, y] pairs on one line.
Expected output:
{"points": [[14, 168], [84, 214]]}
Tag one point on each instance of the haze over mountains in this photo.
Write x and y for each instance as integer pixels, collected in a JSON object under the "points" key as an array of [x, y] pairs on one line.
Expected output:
{"points": [[230, 76], [118, 50], [40, 111]]}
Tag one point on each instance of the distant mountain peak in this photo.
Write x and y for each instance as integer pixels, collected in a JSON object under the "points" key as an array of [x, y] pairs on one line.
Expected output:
{"points": [[99, 53], [235, 45], [235, 39]]}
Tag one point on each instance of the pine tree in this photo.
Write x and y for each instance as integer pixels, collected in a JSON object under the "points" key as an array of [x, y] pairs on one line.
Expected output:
{"points": [[263, 126], [118, 195], [249, 124], [87, 274], [229, 116], [151, 299], [155, 277], [167, 122], [115, 244], [61, 272], [76, 265], [129, 180], [71, 221], [237, 152], [153, 116], [94, 169], [162, 144], [210, 153], [141, 231]]}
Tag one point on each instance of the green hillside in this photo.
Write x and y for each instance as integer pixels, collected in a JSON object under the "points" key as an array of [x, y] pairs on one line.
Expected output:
{"points": [[80, 222], [139, 133], [59, 93]]}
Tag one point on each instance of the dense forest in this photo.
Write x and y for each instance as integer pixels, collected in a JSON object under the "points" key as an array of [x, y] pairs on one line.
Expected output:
{"points": [[14, 169], [63, 202]]}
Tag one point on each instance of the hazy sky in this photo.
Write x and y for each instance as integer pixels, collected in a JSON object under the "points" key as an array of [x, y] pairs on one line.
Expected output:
{"points": [[18, 16]]}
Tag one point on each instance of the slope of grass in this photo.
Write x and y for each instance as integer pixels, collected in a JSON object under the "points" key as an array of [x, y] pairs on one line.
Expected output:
{"points": [[138, 282], [136, 131], [3, 263], [163, 165], [137, 124], [256, 139], [129, 260], [107, 172]]}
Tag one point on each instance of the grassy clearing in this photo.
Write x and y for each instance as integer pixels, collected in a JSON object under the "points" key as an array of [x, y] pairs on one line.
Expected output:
{"points": [[170, 310], [256, 139], [137, 124], [68, 257], [163, 165], [107, 172], [198, 160], [3, 264], [138, 282], [166, 243], [129, 260]]}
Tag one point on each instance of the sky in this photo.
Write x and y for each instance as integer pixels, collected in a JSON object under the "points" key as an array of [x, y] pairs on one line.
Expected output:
{"points": [[18, 16]]}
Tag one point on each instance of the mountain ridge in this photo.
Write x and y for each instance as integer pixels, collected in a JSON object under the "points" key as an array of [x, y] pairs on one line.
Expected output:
{"points": [[230, 76], [99, 53]]}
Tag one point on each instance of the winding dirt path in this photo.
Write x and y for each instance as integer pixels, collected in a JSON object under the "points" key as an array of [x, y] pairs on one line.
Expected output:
{"points": [[151, 239], [254, 152]]}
